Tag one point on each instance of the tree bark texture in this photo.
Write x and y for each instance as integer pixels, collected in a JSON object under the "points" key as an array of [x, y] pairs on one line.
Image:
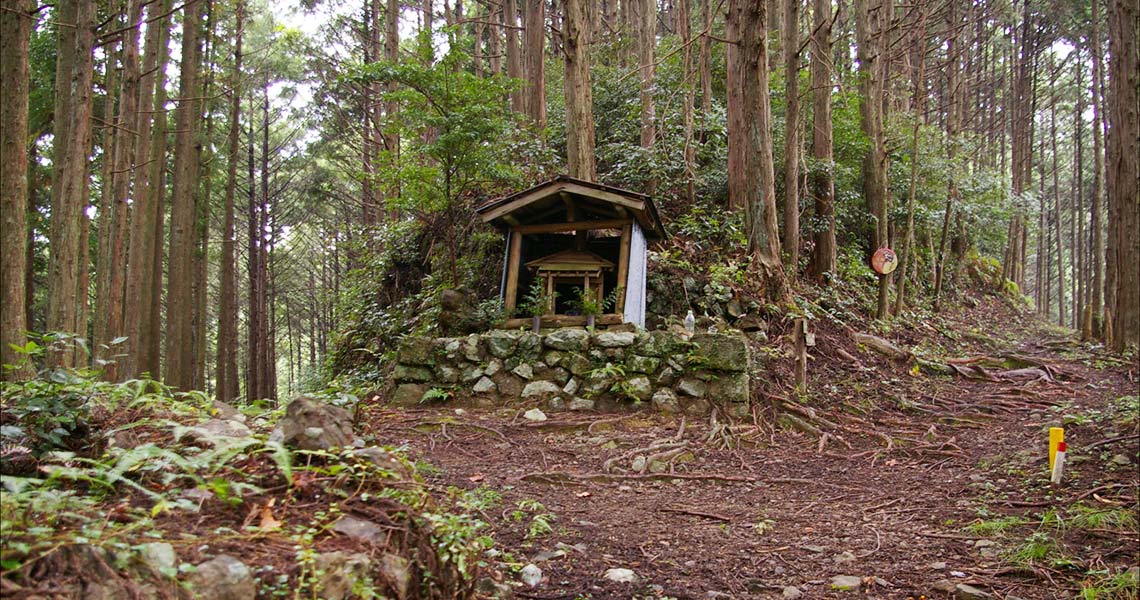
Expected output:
{"points": [[16, 21], [534, 21], [579, 98], [822, 176], [791, 45], [872, 16], [179, 372], [1123, 168], [68, 261], [754, 183]]}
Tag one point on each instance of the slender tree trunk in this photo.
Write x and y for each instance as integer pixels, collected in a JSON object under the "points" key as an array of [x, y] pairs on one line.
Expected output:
{"points": [[150, 152], [264, 250], [494, 36], [1097, 302], [791, 44], [67, 265], [687, 109], [477, 28], [534, 21], [738, 199], [510, 18], [646, 44], [1056, 195], [754, 185], [16, 21], [822, 176], [871, 19], [180, 289], [704, 57], [106, 217], [579, 98], [1083, 274], [392, 108], [226, 371], [125, 146], [253, 269], [953, 129], [919, 109], [1124, 169]]}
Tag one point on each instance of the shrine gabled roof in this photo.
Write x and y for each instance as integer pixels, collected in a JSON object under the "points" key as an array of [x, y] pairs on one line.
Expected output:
{"points": [[533, 205], [575, 259]]}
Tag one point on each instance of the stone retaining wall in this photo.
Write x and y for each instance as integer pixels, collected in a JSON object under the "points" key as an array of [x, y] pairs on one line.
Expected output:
{"points": [[575, 369]]}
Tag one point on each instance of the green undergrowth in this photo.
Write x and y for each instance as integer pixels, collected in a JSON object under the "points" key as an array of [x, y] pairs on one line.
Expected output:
{"points": [[1052, 539], [119, 466]]}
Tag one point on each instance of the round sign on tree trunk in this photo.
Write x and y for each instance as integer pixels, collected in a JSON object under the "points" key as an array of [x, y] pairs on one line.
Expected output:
{"points": [[884, 261]]}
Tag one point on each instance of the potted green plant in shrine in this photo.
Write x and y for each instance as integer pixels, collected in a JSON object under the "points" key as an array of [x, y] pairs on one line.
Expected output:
{"points": [[537, 302], [591, 305]]}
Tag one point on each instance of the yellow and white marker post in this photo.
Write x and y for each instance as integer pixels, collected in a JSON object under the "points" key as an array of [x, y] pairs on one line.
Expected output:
{"points": [[1056, 437], [1058, 464]]}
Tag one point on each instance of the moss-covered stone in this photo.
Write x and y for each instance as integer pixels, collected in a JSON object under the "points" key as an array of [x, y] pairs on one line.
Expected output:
{"points": [[642, 364], [730, 387], [638, 387], [615, 339], [661, 344], [568, 338], [416, 351], [720, 352], [577, 364], [403, 373], [408, 394], [501, 344], [529, 347], [693, 387], [553, 358]]}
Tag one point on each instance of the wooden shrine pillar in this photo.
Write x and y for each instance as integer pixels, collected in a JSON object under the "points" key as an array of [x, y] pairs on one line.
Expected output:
{"points": [[514, 257], [623, 266]]}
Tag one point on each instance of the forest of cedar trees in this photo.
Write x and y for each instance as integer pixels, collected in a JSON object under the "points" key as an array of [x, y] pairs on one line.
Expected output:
{"points": [[249, 199]]}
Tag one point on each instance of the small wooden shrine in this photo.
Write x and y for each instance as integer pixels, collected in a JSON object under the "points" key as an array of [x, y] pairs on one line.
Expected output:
{"points": [[567, 239]]}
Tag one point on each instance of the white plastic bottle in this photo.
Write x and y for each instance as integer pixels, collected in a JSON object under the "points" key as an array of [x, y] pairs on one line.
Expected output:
{"points": [[690, 322]]}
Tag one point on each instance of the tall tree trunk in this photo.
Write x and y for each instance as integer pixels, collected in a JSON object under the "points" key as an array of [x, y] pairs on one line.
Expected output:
{"points": [[392, 108], [226, 370], [871, 19], [107, 208], [754, 184], [646, 44], [124, 162], [738, 190], [1083, 274], [16, 21], [684, 30], [179, 372], [918, 107], [149, 185], [510, 17], [791, 45], [953, 129], [1096, 202], [265, 245], [477, 28], [534, 22], [204, 190], [579, 98], [254, 236], [1056, 194], [1124, 168], [494, 37], [822, 175], [704, 56], [67, 265]]}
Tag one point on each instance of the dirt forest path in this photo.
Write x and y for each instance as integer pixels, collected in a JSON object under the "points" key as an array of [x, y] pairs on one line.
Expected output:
{"points": [[919, 485]]}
